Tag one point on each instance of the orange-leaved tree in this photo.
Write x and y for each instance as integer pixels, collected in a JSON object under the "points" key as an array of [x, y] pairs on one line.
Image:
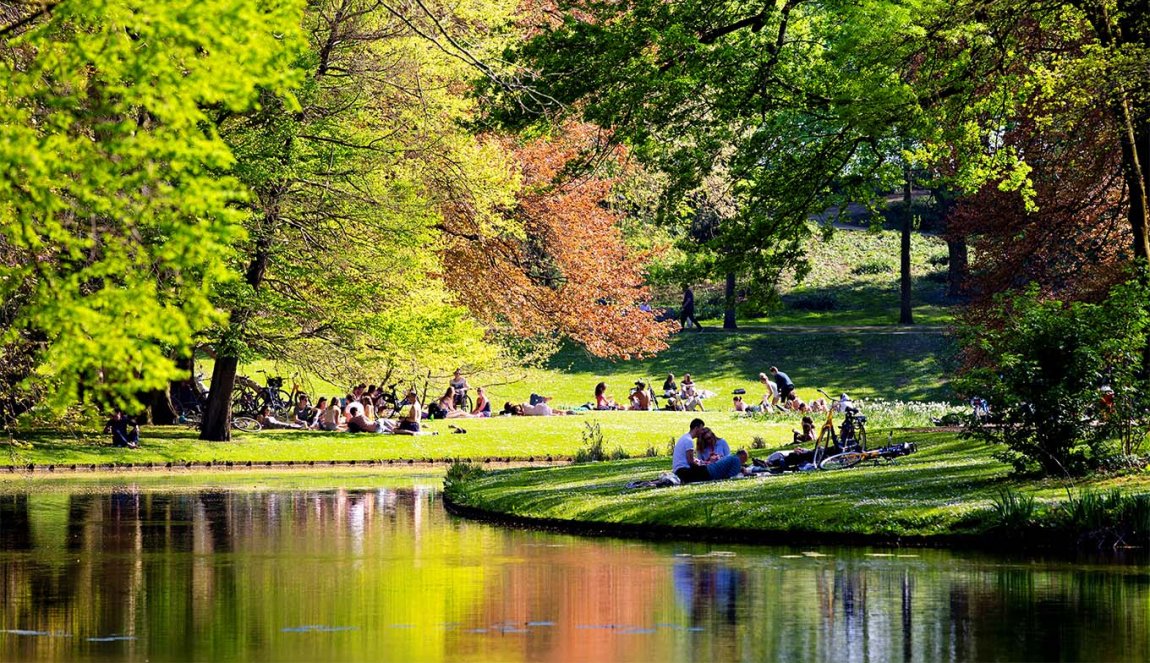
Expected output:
{"points": [[560, 265]]}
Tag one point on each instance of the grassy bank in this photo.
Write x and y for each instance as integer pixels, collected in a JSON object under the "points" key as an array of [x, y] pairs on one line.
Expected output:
{"points": [[631, 433], [947, 490]]}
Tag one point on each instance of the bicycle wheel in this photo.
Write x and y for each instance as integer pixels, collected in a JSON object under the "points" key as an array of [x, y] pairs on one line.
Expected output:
{"points": [[842, 461], [246, 424], [467, 404], [861, 436]]}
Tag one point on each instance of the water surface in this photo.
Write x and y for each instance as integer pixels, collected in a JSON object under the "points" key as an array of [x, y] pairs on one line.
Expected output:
{"points": [[290, 570]]}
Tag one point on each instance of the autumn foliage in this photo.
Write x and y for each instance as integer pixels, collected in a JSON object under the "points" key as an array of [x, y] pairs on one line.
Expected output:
{"points": [[1075, 244], [561, 267]]}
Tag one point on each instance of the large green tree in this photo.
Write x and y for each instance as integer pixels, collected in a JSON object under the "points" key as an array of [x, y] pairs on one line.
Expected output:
{"points": [[805, 104], [350, 186], [117, 216]]}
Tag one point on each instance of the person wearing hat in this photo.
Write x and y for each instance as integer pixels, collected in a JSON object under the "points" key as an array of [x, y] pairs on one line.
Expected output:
{"points": [[410, 414], [640, 400]]}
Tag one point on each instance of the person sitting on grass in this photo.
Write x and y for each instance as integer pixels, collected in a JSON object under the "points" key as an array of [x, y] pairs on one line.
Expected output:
{"points": [[684, 463], [602, 400], [690, 399], [317, 412], [304, 412], [669, 387], [738, 404], [448, 408], [125, 431], [711, 448], [808, 433], [331, 419], [640, 399], [410, 414], [482, 405], [268, 420]]}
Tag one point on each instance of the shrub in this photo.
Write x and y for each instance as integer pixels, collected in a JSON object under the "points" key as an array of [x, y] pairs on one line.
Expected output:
{"points": [[812, 302], [652, 452], [593, 441], [619, 454], [1014, 512], [458, 474], [1040, 367], [941, 260], [757, 442], [873, 267]]}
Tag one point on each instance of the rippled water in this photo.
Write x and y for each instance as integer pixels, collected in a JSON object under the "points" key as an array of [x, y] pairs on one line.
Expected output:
{"points": [[381, 572]]}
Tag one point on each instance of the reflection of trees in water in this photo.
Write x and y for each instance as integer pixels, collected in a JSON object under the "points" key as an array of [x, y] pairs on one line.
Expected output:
{"points": [[216, 574]]}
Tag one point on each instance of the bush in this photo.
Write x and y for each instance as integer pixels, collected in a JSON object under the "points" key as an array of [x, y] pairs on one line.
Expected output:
{"points": [[1014, 512], [1040, 365], [939, 260], [593, 439], [757, 442], [652, 452], [873, 267], [812, 302], [619, 454]]}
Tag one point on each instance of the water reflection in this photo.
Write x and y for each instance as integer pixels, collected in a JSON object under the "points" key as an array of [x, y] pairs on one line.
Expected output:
{"points": [[384, 573]]}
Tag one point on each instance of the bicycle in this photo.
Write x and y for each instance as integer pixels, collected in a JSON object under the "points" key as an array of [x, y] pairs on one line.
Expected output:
{"points": [[273, 395], [240, 423], [849, 459], [850, 437]]}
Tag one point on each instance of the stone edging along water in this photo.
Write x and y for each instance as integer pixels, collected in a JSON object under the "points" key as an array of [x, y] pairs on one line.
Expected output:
{"points": [[151, 466]]}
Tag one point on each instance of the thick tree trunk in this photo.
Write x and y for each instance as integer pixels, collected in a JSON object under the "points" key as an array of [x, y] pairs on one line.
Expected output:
{"points": [[729, 303], [905, 311], [217, 424], [957, 267]]}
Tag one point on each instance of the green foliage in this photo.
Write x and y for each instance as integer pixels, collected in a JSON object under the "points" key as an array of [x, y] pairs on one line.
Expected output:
{"points": [[651, 452], [118, 216], [592, 451], [1041, 367], [1013, 512]]}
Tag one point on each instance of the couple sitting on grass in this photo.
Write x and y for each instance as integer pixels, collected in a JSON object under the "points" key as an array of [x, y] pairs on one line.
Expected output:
{"points": [[700, 455]]}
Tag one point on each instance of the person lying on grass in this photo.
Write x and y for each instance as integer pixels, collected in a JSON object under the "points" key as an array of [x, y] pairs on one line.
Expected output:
{"points": [[268, 420], [538, 407], [367, 423]]}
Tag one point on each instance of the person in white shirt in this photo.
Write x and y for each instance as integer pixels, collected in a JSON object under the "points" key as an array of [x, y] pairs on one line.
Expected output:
{"points": [[683, 461]]}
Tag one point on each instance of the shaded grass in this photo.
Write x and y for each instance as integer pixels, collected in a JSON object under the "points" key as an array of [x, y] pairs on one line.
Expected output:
{"points": [[947, 488]]}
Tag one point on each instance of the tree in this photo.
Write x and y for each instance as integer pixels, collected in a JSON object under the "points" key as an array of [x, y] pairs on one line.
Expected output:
{"points": [[804, 103], [563, 266], [117, 218], [348, 189]]}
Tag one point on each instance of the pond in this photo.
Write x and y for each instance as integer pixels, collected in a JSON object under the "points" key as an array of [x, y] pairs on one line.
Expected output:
{"points": [[299, 569]]}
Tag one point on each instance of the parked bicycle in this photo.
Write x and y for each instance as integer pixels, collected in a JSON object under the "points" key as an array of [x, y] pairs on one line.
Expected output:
{"points": [[850, 459]]}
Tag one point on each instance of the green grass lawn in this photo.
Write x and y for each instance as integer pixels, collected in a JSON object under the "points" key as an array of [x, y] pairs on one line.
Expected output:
{"points": [[947, 488], [514, 437]]}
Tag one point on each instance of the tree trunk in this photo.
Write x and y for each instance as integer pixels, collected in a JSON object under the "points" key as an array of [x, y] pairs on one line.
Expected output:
{"points": [[957, 267], [905, 312], [217, 424], [161, 409], [729, 301]]}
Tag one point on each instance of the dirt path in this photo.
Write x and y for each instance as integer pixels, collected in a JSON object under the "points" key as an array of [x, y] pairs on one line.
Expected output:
{"points": [[893, 330]]}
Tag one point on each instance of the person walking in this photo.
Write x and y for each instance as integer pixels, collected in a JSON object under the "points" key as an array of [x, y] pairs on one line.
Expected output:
{"points": [[688, 310]]}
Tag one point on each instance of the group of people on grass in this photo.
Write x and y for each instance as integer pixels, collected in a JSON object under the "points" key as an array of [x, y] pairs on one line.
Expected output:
{"points": [[356, 413], [681, 397]]}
